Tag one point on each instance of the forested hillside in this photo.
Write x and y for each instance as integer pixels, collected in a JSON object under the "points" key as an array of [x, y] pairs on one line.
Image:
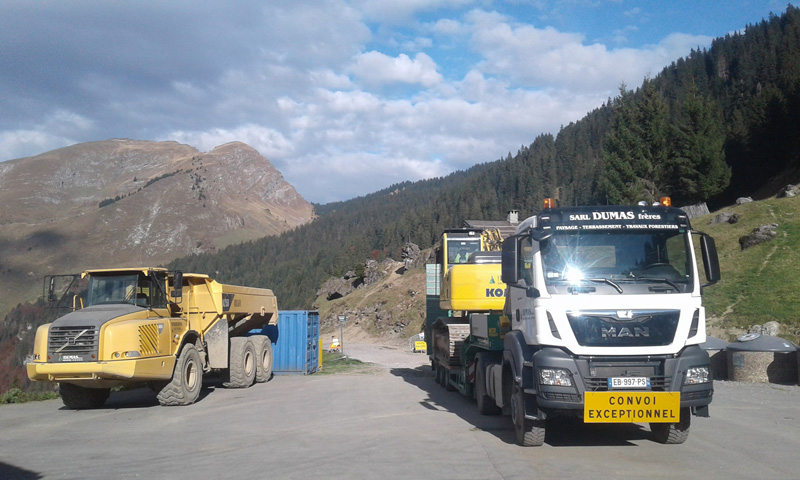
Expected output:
{"points": [[711, 127]]}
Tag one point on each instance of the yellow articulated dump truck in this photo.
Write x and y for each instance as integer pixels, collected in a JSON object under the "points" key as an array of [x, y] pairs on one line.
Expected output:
{"points": [[156, 327]]}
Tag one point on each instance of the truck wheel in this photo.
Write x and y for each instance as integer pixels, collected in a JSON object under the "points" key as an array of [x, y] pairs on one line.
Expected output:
{"points": [[264, 356], [242, 363], [187, 379], [439, 374], [444, 378], [673, 433], [80, 398], [530, 433], [486, 404]]}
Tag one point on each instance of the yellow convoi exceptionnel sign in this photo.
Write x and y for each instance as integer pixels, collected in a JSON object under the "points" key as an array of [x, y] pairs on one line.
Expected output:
{"points": [[631, 407]]}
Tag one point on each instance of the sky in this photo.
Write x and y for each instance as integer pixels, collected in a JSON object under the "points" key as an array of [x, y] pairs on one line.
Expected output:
{"points": [[344, 97]]}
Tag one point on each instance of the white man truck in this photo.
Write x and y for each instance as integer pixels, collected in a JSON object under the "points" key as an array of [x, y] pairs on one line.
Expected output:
{"points": [[154, 327], [602, 320]]}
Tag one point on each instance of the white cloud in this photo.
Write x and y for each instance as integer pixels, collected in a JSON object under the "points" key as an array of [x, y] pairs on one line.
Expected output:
{"points": [[375, 68], [544, 58], [267, 141], [58, 129]]}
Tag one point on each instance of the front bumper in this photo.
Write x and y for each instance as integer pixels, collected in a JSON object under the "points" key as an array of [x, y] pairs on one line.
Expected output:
{"points": [[103, 373], [591, 374]]}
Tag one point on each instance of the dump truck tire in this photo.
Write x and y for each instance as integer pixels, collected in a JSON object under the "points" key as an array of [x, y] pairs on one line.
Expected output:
{"points": [[673, 433], [264, 356], [187, 379], [530, 433], [242, 363], [486, 404], [82, 398]]}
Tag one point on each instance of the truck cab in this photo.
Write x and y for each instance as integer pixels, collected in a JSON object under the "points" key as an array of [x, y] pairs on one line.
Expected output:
{"points": [[606, 320]]}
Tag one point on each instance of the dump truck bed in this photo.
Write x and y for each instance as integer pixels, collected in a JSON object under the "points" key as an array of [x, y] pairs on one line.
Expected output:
{"points": [[245, 307]]}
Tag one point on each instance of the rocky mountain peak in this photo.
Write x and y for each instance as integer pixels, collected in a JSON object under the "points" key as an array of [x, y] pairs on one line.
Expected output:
{"points": [[128, 202]]}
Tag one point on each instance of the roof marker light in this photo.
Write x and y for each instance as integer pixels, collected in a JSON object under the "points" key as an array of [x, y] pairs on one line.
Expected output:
{"points": [[549, 203]]}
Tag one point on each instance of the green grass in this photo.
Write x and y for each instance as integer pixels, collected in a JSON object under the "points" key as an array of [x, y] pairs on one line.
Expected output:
{"points": [[333, 363], [762, 283]]}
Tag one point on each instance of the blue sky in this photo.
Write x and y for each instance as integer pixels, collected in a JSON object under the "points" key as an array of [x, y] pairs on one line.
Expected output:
{"points": [[344, 97]]}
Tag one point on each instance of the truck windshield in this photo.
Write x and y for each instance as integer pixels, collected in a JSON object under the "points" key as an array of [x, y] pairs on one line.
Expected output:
{"points": [[628, 262], [131, 288]]}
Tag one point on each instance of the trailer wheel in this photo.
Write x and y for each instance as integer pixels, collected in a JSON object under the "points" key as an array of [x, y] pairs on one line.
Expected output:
{"points": [[242, 363], [187, 379], [438, 370], [443, 377], [81, 398], [264, 355], [486, 404], [673, 433], [530, 433]]}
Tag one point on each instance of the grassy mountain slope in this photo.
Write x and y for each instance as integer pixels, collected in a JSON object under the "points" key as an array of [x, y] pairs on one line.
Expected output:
{"points": [[759, 284]]}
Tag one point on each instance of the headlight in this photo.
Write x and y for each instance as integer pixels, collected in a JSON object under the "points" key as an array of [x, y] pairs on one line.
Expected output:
{"points": [[697, 375], [555, 376]]}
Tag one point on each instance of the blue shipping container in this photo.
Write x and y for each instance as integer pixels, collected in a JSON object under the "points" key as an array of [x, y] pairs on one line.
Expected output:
{"points": [[296, 339]]}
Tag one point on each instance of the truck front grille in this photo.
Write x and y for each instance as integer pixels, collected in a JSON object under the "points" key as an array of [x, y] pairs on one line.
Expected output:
{"points": [[72, 344], [626, 328], [148, 339]]}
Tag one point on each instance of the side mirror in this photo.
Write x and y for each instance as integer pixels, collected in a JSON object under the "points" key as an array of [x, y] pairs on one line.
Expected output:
{"points": [[540, 235], [708, 249], [51, 290], [509, 273], [177, 286]]}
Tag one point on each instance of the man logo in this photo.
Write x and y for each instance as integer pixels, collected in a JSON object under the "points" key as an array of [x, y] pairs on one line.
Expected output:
{"points": [[634, 332], [625, 314]]}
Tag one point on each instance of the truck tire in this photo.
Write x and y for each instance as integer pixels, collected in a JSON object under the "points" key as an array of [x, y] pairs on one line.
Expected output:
{"points": [[530, 433], [443, 377], [81, 398], [486, 404], [264, 357], [187, 379], [673, 433], [241, 364], [438, 370]]}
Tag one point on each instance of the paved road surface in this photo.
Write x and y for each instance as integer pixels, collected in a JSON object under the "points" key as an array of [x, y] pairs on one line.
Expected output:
{"points": [[393, 422]]}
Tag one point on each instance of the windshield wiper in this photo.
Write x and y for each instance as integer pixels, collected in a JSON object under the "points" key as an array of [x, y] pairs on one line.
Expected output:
{"points": [[606, 281], [657, 280]]}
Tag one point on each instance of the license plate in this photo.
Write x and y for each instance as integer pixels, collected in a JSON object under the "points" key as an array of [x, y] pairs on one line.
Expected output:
{"points": [[628, 382], [632, 407]]}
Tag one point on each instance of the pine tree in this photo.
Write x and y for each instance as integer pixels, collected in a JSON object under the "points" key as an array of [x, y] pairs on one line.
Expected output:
{"points": [[624, 153], [698, 168]]}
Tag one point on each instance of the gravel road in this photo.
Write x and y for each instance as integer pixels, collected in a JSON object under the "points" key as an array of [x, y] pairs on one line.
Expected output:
{"points": [[386, 356], [392, 421]]}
